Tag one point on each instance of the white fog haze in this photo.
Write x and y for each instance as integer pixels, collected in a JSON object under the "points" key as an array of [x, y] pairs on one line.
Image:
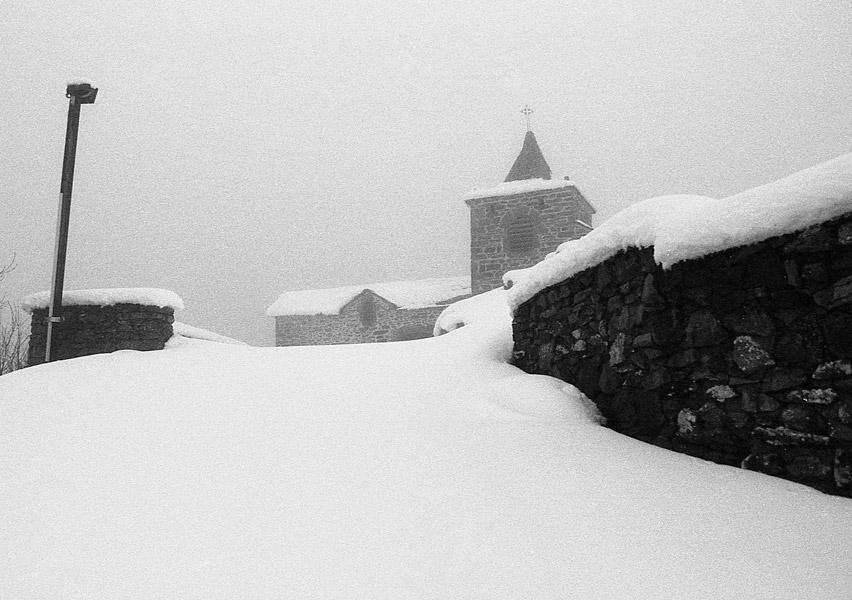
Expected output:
{"points": [[240, 150]]}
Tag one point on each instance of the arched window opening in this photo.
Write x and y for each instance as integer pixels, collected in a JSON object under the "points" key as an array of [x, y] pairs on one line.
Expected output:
{"points": [[521, 235]]}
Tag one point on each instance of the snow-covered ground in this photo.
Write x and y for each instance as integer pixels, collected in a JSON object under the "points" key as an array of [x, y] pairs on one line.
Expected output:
{"points": [[424, 469]]}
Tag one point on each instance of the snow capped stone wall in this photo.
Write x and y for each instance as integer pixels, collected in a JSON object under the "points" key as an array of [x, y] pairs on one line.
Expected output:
{"points": [[742, 356], [91, 329]]}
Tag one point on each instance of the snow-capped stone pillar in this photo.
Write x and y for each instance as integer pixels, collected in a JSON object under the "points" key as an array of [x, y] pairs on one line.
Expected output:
{"points": [[104, 320]]}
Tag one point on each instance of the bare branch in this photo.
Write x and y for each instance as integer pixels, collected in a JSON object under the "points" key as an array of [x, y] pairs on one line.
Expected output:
{"points": [[14, 336]]}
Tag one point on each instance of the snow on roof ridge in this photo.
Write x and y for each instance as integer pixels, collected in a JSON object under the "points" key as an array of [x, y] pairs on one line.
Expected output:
{"points": [[107, 297], [406, 294], [520, 186], [685, 227]]}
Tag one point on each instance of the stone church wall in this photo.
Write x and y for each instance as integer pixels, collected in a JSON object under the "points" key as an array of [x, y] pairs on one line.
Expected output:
{"points": [[390, 324], [743, 357], [555, 212], [89, 330]]}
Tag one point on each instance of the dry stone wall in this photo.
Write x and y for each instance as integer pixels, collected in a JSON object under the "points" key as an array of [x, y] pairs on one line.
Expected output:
{"points": [[743, 357], [97, 329]]}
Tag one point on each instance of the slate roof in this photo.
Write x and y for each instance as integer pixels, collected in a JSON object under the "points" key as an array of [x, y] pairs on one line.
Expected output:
{"points": [[530, 163]]}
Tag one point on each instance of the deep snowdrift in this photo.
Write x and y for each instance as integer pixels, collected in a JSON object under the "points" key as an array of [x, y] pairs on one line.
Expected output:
{"points": [[424, 469], [197, 333]]}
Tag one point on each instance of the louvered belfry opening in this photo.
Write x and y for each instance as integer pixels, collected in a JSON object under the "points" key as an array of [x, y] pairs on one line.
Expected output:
{"points": [[521, 236]]}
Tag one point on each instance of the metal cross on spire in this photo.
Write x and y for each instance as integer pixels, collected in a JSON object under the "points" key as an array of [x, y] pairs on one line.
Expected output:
{"points": [[527, 111]]}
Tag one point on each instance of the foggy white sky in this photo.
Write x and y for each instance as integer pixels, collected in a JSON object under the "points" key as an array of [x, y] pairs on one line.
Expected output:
{"points": [[236, 151]]}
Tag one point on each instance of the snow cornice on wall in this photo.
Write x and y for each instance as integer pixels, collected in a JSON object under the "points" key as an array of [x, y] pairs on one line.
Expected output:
{"points": [[107, 297], [684, 227]]}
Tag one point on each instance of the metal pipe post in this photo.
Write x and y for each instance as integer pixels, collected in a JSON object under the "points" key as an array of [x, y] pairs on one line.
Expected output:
{"points": [[77, 94]]}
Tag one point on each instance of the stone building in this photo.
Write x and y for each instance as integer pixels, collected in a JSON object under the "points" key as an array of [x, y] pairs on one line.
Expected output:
{"points": [[517, 223], [512, 225], [382, 312]]}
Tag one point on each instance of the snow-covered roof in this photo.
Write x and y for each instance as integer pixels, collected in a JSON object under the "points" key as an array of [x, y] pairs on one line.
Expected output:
{"points": [[420, 293], [685, 227], [107, 297], [510, 188]]}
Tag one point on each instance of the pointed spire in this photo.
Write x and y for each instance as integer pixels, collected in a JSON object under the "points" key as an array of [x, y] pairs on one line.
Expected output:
{"points": [[530, 163]]}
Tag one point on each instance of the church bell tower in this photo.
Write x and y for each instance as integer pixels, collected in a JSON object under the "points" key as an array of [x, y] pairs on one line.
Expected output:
{"points": [[518, 222]]}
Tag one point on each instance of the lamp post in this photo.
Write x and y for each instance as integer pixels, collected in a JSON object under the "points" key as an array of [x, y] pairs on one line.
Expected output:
{"points": [[77, 94]]}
